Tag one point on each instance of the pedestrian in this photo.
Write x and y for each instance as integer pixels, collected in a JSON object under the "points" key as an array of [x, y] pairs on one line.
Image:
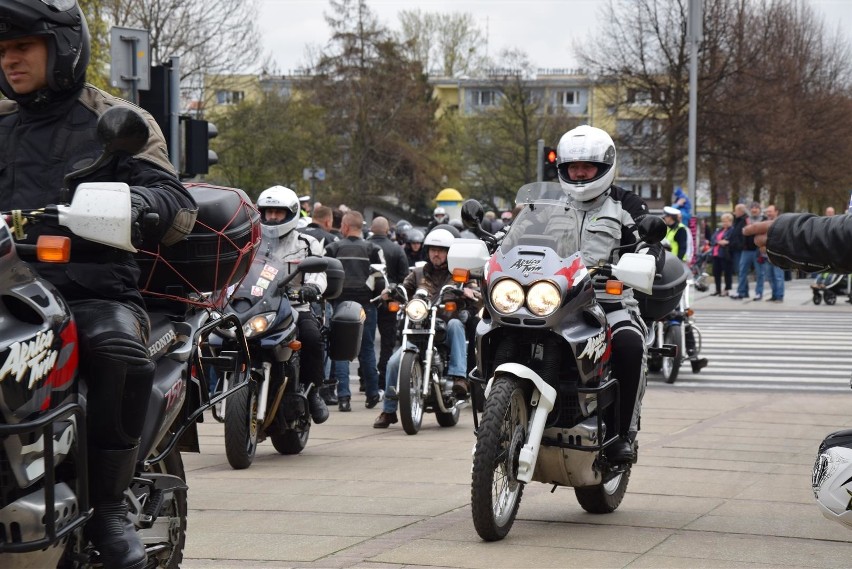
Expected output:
{"points": [[749, 258], [48, 122], [736, 239], [356, 255], [336, 220], [320, 226], [506, 219], [722, 259], [774, 273], [397, 269], [829, 211]]}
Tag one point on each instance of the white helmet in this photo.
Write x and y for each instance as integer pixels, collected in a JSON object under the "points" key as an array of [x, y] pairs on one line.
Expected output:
{"points": [[279, 197], [438, 238], [586, 144], [832, 478], [440, 214]]}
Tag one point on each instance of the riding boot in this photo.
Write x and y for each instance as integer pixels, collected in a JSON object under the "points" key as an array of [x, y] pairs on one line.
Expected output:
{"points": [[318, 408], [110, 530]]}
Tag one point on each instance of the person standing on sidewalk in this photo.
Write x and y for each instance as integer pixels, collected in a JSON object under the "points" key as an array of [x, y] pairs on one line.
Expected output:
{"points": [[736, 239], [356, 255], [749, 258], [397, 268], [774, 273], [722, 262]]}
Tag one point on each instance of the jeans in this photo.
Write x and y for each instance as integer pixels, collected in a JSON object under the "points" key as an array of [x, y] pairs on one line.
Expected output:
{"points": [[458, 360], [748, 259], [775, 276], [366, 358]]}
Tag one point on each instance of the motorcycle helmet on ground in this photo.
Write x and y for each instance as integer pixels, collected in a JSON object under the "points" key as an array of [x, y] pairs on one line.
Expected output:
{"points": [[586, 144], [281, 198], [832, 477], [64, 28]]}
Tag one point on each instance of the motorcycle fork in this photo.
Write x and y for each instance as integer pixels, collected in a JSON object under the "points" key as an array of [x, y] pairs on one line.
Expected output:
{"points": [[263, 396], [427, 365]]}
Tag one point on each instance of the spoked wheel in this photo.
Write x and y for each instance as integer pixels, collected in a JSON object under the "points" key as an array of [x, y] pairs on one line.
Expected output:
{"points": [[671, 366], [241, 427], [411, 393], [172, 512], [495, 491], [606, 497], [291, 441]]}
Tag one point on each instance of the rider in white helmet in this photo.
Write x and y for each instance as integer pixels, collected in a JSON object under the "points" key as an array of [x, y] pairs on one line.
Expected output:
{"points": [[605, 218], [428, 280], [279, 211]]}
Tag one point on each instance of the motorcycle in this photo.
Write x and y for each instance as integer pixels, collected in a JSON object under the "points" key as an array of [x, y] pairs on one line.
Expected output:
{"points": [[543, 347], [44, 477], [676, 337], [275, 404], [422, 384]]}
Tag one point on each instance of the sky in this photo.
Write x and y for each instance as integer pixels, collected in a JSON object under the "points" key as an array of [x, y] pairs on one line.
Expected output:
{"points": [[531, 25]]}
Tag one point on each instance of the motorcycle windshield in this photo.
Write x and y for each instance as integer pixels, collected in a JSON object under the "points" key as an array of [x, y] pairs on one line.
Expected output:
{"points": [[546, 221], [262, 280]]}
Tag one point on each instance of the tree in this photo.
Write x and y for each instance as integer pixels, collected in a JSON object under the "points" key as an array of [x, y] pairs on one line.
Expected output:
{"points": [[98, 71], [269, 141], [379, 111], [211, 37], [446, 44]]}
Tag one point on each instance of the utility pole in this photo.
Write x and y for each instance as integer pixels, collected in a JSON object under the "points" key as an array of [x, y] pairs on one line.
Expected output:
{"points": [[695, 35]]}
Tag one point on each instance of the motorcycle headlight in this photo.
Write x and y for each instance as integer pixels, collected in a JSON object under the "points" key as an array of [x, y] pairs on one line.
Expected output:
{"points": [[416, 310], [258, 324], [507, 296], [543, 298]]}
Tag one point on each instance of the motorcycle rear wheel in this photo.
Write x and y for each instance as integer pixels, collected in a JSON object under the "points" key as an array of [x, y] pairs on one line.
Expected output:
{"points": [[241, 427], [671, 366], [291, 441], [603, 498], [495, 492], [177, 508], [411, 393]]}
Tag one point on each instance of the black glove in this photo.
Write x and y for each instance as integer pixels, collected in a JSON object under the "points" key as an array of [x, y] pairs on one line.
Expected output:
{"points": [[309, 293], [139, 206]]}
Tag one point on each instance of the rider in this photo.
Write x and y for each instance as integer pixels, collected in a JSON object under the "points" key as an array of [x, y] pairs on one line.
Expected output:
{"points": [[439, 217], [607, 218], [429, 279], [47, 130], [279, 211], [414, 247]]}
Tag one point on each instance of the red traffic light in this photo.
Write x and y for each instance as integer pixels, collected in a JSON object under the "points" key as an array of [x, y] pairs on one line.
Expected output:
{"points": [[550, 156]]}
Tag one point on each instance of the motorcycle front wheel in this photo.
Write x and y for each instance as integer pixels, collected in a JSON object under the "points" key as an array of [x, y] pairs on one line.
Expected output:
{"points": [[671, 366], [495, 492], [411, 393], [241, 427], [604, 498], [291, 441]]}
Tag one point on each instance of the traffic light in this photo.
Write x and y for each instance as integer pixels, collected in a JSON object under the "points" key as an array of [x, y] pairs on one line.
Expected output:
{"points": [[197, 156], [156, 99], [549, 171]]}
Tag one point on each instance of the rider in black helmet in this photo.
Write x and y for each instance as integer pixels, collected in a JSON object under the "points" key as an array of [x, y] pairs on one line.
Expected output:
{"points": [[47, 130]]}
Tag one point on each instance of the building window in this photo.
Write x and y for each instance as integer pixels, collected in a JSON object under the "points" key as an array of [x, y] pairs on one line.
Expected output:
{"points": [[485, 98], [567, 98], [224, 97]]}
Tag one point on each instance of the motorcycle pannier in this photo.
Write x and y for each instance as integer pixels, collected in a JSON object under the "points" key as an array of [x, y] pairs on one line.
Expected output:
{"points": [[214, 256], [334, 276], [347, 327], [667, 290]]}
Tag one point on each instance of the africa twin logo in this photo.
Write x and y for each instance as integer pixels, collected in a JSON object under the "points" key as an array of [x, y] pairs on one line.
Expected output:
{"points": [[35, 356], [527, 266], [595, 347]]}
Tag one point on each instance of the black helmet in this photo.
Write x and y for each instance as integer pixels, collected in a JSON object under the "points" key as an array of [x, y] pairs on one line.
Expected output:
{"points": [[415, 236], [64, 26]]}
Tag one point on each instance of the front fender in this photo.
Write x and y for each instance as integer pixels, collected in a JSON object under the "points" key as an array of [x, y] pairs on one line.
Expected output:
{"points": [[548, 393]]}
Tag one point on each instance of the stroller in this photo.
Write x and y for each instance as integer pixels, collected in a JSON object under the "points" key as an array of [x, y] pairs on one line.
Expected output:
{"points": [[699, 275], [828, 286]]}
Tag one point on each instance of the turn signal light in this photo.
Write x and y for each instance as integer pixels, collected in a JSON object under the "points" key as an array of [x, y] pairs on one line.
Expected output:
{"points": [[690, 312], [53, 249], [450, 306], [393, 306], [614, 287], [295, 345], [461, 275]]}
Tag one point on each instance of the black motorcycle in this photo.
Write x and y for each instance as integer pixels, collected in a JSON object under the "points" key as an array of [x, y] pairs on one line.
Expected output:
{"points": [[44, 481], [275, 403]]}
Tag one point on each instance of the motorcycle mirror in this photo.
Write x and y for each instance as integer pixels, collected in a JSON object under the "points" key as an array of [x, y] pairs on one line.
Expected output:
{"points": [[472, 214], [122, 131], [652, 229]]}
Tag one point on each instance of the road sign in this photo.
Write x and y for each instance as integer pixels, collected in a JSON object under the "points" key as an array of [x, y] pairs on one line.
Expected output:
{"points": [[130, 52], [313, 174]]}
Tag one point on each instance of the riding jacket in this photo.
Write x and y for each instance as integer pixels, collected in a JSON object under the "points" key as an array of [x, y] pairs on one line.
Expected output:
{"points": [[811, 243]]}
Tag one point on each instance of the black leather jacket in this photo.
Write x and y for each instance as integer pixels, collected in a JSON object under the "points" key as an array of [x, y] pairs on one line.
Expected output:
{"points": [[39, 147], [811, 243]]}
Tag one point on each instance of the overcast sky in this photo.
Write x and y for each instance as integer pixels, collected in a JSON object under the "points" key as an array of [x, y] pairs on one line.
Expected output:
{"points": [[531, 25]]}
